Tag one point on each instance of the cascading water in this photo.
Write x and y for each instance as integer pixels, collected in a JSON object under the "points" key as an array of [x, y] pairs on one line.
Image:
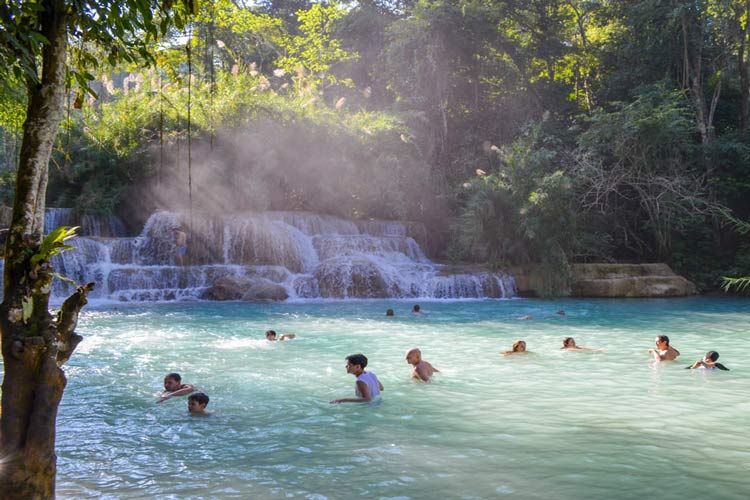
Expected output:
{"points": [[294, 254]]}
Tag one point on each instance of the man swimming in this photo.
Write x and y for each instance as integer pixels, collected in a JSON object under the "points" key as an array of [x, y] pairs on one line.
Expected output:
{"points": [[663, 351], [423, 370]]}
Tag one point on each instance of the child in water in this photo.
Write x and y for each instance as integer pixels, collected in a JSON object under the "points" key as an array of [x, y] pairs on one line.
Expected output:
{"points": [[197, 403], [367, 387], [708, 362], [271, 336], [173, 386]]}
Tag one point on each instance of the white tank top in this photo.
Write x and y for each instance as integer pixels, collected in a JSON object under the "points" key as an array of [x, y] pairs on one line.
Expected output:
{"points": [[371, 380]]}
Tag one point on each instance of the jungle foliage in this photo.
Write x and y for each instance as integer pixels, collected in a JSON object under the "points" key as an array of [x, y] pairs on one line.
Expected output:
{"points": [[549, 131]]}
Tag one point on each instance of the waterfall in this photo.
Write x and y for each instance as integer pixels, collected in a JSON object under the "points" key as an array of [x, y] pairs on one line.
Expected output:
{"points": [[295, 254]]}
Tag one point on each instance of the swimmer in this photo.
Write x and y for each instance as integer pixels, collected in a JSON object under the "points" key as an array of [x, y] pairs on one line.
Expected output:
{"points": [[367, 387], [569, 344], [663, 351], [416, 309], [519, 347], [197, 403], [389, 312], [560, 313], [708, 362], [422, 369], [173, 386], [271, 336]]}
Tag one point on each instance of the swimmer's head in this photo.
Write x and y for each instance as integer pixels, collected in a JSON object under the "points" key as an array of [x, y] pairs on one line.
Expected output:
{"points": [[270, 335], [413, 356], [416, 308], [389, 312], [519, 346], [711, 356], [172, 382], [356, 360], [569, 342], [662, 339], [197, 402]]}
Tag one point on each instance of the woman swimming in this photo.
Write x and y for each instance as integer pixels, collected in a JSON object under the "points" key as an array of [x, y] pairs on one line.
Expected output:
{"points": [[519, 347], [569, 344]]}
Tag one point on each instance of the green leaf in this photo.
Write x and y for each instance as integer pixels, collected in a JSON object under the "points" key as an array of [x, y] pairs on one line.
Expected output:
{"points": [[54, 243]]}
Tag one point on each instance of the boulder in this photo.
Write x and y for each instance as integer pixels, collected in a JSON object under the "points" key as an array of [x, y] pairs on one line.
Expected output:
{"points": [[263, 289], [228, 288]]}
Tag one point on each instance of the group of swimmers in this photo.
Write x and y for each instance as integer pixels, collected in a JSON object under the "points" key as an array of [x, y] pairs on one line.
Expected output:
{"points": [[663, 352], [367, 387]]}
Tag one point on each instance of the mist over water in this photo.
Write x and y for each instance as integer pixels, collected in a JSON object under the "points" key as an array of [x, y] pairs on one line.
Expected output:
{"points": [[553, 424]]}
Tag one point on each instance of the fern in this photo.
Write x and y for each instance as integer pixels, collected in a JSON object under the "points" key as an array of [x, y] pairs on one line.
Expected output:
{"points": [[54, 243]]}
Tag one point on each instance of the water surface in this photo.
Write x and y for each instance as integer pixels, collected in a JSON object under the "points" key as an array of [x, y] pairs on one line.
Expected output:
{"points": [[554, 424]]}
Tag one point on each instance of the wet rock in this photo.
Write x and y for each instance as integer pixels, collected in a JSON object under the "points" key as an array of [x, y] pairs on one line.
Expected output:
{"points": [[265, 290], [228, 288], [355, 278]]}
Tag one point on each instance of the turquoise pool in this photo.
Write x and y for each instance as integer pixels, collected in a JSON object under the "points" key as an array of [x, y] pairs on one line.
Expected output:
{"points": [[553, 425]]}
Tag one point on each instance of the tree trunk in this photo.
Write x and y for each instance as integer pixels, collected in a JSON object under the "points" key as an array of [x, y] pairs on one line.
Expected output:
{"points": [[742, 64], [34, 344]]}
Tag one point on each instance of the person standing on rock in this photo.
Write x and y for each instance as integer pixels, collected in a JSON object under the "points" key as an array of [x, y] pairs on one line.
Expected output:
{"points": [[180, 244]]}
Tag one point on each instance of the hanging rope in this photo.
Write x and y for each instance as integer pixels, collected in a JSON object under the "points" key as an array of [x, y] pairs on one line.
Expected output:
{"points": [[189, 123], [161, 133]]}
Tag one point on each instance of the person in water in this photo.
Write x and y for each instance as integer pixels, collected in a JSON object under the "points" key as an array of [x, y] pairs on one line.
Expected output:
{"points": [[663, 351], [416, 309], [519, 347], [569, 344], [173, 386], [367, 387], [271, 336], [197, 403], [389, 312], [708, 362], [423, 370]]}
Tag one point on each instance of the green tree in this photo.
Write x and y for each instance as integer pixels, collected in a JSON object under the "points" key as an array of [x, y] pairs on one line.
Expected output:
{"points": [[34, 45]]}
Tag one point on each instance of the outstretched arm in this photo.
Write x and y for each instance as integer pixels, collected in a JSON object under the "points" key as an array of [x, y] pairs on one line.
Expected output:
{"points": [[363, 389], [287, 336], [182, 391]]}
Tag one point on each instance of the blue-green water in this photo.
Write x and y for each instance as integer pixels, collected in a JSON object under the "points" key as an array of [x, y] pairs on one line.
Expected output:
{"points": [[562, 425]]}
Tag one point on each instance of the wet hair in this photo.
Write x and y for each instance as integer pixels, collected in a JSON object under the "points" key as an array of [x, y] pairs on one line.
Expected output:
{"points": [[663, 338], [271, 333], [200, 397], [415, 308], [517, 344], [712, 355], [357, 359], [566, 341], [389, 312], [174, 376]]}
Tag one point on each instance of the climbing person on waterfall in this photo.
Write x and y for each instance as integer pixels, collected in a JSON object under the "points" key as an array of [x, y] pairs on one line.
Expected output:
{"points": [[180, 244]]}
